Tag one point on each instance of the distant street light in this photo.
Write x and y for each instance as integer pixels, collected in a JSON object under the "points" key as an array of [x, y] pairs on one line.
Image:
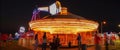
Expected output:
{"points": [[103, 22], [118, 25]]}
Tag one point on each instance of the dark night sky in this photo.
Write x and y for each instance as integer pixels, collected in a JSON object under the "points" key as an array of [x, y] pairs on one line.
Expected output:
{"points": [[16, 13]]}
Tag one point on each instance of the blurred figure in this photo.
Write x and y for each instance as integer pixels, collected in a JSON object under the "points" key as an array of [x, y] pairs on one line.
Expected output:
{"points": [[69, 44], [106, 44], [57, 42], [97, 41], [112, 39], [36, 42], [10, 39], [79, 41], [44, 44], [4, 38], [54, 38], [17, 36], [52, 44]]}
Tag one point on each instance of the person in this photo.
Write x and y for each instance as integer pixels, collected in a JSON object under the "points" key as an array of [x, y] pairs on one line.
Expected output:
{"points": [[106, 44], [10, 38], [54, 38], [36, 42], [97, 41], [79, 41], [44, 44], [52, 44], [112, 39], [69, 44], [4, 38], [16, 36], [57, 42]]}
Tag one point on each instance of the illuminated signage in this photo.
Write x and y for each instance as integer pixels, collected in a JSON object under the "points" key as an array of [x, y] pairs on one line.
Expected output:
{"points": [[55, 8]]}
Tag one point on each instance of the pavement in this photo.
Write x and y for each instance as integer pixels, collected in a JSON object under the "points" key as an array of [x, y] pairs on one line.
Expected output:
{"points": [[76, 48], [14, 46]]}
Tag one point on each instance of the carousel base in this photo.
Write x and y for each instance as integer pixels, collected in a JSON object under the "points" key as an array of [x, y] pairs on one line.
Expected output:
{"points": [[66, 38]]}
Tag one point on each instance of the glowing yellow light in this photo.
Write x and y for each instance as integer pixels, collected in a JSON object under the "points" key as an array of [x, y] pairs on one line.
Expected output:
{"points": [[104, 22], [118, 25], [67, 26], [64, 11]]}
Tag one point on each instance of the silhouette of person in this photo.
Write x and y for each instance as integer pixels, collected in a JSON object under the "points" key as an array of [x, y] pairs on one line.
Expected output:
{"points": [[36, 42], [57, 42], [106, 44], [52, 44], [79, 41], [97, 41], [44, 44]]}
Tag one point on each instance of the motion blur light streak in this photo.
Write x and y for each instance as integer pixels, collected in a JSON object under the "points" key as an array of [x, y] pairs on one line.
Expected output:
{"points": [[68, 25], [118, 25]]}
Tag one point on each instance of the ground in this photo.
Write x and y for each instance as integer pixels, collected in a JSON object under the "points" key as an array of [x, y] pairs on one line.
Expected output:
{"points": [[14, 46]]}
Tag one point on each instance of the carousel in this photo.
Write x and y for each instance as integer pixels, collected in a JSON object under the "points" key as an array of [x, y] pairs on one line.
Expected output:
{"points": [[63, 23]]}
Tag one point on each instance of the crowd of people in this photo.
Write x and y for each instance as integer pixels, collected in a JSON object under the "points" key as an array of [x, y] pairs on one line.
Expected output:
{"points": [[4, 38], [107, 39], [55, 43]]}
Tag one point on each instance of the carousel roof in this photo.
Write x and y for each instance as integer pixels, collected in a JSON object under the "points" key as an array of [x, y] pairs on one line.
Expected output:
{"points": [[69, 24]]}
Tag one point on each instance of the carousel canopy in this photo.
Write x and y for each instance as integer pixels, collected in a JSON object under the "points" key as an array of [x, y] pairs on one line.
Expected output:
{"points": [[69, 24]]}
